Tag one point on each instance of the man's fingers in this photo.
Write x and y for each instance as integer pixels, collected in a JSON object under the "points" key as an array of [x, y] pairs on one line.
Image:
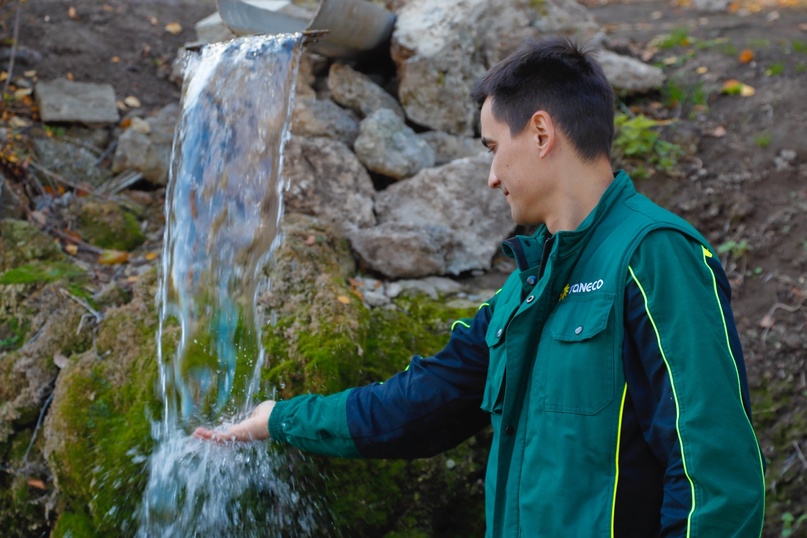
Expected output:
{"points": [[212, 435]]}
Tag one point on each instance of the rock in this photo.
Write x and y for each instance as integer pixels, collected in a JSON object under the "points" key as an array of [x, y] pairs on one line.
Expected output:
{"points": [[212, 29], [322, 117], [629, 75], [328, 181], [448, 147], [22, 243], [106, 224], [356, 91], [432, 286], [375, 298], [73, 162], [440, 50], [387, 146], [711, 6], [444, 220], [63, 100], [146, 146]]}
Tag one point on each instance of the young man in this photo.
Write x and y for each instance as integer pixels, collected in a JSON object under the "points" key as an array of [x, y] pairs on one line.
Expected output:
{"points": [[608, 364]]}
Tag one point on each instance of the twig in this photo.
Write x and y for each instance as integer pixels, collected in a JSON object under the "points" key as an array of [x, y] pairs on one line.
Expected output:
{"points": [[800, 454], [107, 152], [81, 244], [99, 317], [13, 45], [59, 178], [38, 423]]}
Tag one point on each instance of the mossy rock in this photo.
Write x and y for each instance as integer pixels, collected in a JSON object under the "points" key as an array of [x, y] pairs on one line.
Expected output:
{"points": [[107, 225], [98, 429], [21, 243], [325, 340]]}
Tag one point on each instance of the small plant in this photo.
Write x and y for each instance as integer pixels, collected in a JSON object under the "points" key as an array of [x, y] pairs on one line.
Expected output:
{"points": [[799, 46], [53, 132], [801, 67], [763, 140], [638, 138], [737, 249], [677, 38], [759, 43], [791, 524], [679, 93], [775, 69]]}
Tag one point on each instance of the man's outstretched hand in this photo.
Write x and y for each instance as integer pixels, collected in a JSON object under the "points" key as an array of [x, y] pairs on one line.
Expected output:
{"points": [[254, 428]]}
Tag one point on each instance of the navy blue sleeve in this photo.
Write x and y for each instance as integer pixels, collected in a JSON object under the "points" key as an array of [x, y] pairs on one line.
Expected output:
{"points": [[430, 407]]}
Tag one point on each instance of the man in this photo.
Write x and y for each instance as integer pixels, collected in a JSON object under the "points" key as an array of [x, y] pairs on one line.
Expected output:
{"points": [[608, 364]]}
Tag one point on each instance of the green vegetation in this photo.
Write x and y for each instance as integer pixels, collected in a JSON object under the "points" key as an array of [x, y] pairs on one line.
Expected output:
{"points": [[737, 249], [775, 69], [638, 139], [763, 140], [679, 37]]}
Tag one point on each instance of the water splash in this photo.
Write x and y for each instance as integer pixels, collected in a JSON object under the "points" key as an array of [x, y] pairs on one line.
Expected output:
{"points": [[223, 209]]}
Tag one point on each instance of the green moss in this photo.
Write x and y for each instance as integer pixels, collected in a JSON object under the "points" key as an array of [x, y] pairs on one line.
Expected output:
{"points": [[41, 273], [74, 525], [22, 243], [108, 225], [13, 331]]}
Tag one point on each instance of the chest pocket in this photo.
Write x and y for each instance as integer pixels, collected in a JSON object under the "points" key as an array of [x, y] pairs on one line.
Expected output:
{"points": [[576, 356], [494, 386]]}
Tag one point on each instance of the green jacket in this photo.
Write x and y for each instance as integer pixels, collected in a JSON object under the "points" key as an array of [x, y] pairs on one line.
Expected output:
{"points": [[611, 372]]}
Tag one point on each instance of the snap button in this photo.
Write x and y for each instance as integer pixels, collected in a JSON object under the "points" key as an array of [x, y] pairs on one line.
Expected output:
{"points": [[531, 280], [578, 330], [509, 429], [499, 333], [531, 298]]}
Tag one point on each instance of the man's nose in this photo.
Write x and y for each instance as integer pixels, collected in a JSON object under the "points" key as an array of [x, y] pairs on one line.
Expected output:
{"points": [[493, 181]]}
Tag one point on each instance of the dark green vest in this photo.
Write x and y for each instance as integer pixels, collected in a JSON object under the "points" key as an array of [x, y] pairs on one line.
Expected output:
{"points": [[555, 383]]}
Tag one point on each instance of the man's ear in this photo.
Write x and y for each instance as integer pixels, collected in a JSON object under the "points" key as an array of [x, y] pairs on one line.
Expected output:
{"points": [[543, 131]]}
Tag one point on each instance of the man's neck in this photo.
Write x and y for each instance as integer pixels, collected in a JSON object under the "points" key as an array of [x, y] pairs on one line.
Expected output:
{"points": [[580, 191]]}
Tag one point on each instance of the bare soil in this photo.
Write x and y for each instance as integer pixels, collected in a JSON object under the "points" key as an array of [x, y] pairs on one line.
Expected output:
{"points": [[743, 182]]}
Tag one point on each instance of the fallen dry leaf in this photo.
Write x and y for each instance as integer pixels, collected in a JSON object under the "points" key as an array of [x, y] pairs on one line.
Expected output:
{"points": [[71, 12], [310, 240], [18, 122], [767, 321], [702, 70], [735, 87], [3, 75], [69, 76], [71, 249], [173, 28], [108, 8], [22, 92], [150, 256], [39, 217], [115, 59], [718, 132], [671, 60], [30, 74], [344, 299], [746, 56], [154, 21], [120, 105], [113, 257], [36, 483], [132, 102]]}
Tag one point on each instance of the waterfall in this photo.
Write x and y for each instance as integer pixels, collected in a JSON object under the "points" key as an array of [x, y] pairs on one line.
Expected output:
{"points": [[224, 203]]}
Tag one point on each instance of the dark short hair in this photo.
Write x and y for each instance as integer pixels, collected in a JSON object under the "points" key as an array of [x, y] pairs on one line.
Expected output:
{"points": [[561, 77]]}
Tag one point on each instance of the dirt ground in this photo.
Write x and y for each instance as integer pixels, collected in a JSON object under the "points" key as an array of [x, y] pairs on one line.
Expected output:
{"points": [[744, 182]]}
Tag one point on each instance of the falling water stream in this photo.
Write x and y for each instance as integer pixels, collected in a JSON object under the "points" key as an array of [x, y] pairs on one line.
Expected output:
{"points": [[224, 203]]}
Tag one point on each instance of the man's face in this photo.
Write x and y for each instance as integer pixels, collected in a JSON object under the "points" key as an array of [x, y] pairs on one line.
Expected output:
{"points": [[516, 168]]}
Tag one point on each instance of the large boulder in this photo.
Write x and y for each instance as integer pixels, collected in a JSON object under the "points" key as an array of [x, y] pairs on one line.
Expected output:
{"points": [[73, 162], [328, 181], [387, 146], [444, 220], [448, 147]]}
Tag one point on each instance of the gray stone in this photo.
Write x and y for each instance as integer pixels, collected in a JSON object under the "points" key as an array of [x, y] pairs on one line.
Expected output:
{"points": [[63, 100], [73, 162], [12, 201], [147, 149], [354, 90], [328, 181], [441, 49], [444, 220], [448, 147], [629, 75], [212, 29], [375, 298], [433, 286], [387, 146], [711, 6], [323, 117]]}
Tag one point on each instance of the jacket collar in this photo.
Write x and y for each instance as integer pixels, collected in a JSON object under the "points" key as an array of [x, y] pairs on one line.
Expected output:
{"points": [[527, 250]]}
